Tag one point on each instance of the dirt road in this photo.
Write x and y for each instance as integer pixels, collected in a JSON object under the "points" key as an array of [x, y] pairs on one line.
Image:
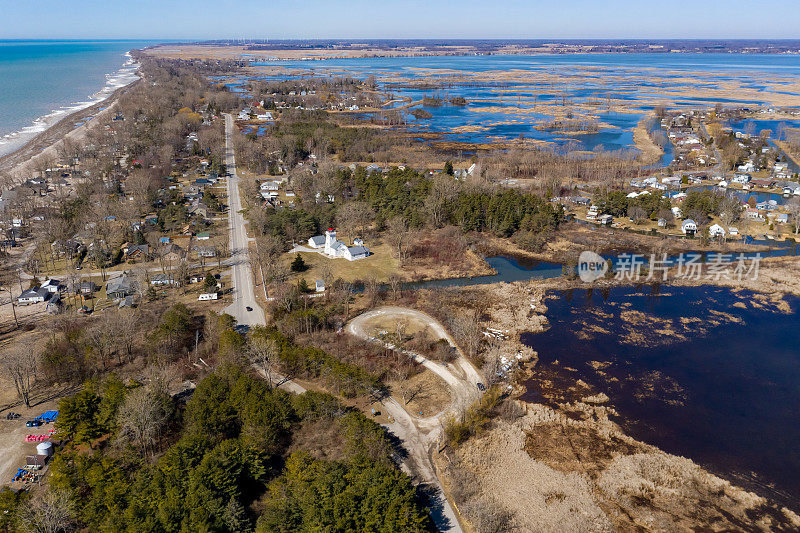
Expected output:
{"points": [[421, 435]]}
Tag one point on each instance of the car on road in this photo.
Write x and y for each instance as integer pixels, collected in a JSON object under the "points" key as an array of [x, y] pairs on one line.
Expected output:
{"points": [[249, 308], [33, 423]]}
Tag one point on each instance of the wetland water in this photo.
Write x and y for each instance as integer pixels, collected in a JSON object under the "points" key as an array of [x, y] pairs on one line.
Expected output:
{"points": [[701, 372], [512, 96]]}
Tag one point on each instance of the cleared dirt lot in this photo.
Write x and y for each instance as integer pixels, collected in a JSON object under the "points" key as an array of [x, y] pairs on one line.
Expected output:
{"points": [[12, 437]]}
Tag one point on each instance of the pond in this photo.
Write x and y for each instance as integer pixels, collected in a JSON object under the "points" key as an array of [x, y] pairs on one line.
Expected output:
{"points": [[701, 372]]}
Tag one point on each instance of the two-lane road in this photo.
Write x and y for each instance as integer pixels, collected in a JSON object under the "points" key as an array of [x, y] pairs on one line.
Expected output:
{"points": [[241, 272]]}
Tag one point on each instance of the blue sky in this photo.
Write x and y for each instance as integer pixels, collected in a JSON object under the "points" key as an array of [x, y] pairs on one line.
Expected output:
{"points": [[280, 19]]}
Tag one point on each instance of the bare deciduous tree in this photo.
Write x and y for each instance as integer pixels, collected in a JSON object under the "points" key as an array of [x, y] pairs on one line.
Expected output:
{"points": [[399, 237], [143, 417], [49, 511], [19, 365], [264, 354]]}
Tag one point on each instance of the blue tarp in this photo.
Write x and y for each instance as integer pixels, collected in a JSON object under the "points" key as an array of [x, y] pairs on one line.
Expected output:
{"points": [[48, 416]]}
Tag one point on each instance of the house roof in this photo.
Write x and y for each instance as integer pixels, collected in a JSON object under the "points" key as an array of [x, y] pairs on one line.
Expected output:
{"points": [[120, 284], [38, 291], [358, 250]]}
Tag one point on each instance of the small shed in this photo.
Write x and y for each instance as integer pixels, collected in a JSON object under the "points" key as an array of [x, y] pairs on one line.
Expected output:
{"points": [[35, 462]]}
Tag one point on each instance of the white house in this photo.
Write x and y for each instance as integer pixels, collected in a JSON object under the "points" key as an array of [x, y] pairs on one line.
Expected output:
{"points": [[733, 230], [676, 212], [269, 185], [335, 248], [716, 231], [742, 178], [753, 214], [32, 296], [689, 227], [320, 286], [52, 285], [747, 167], [208, 296]]}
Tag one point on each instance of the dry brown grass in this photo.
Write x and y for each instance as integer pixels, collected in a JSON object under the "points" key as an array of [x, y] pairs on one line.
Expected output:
{"points": [[549, 472]]}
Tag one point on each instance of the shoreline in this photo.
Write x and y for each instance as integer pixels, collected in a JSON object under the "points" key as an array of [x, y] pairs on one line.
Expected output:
{"points": [[46, 141]]}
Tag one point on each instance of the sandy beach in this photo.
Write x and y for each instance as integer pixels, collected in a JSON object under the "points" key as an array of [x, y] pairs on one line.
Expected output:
{"points": [[16, 166]]}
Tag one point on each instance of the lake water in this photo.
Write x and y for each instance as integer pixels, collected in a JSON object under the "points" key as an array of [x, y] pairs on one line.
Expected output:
{"points": [[513, 96], [43, 81], [689, 372]]}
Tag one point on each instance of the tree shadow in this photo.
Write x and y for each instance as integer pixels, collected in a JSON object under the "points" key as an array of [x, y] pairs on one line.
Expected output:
{"points": [[433, 498]]}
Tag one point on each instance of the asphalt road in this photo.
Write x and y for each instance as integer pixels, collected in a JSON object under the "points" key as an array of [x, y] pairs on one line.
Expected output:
{"points": [[241, 271]]}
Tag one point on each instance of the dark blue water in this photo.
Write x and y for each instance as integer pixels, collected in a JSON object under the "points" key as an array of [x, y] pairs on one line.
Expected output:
{"points": [[721, 390], [40, 77]]}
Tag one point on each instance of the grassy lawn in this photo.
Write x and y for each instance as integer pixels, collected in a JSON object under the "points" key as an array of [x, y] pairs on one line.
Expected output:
{"points": [[380, 265]]}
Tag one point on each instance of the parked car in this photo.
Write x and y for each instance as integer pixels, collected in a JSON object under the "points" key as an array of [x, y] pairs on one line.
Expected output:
{"points": [[481, 387], [249, 308], [33, 423]]}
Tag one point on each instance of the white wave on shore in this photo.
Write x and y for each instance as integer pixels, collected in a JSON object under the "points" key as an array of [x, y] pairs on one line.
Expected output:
{"points": [[122, 77]]}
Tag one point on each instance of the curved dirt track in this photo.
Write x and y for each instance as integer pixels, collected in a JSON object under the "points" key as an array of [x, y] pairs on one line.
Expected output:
{"points": [[420, 435]]}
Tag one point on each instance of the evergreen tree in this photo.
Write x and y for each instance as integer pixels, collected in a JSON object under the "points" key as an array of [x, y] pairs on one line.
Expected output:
{"points": [[298, 265]]}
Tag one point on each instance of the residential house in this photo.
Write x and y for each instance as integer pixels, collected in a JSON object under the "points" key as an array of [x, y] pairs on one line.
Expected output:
{"points": [[162, 279], [33, 295], [137, 252], [120, 287], [208, 296], [173, 253], [778, 218], [716, 231], [199, 209], [53, 286], [753, 214], [203, 236], [87, 288], [319, 286], [689, 227]]}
